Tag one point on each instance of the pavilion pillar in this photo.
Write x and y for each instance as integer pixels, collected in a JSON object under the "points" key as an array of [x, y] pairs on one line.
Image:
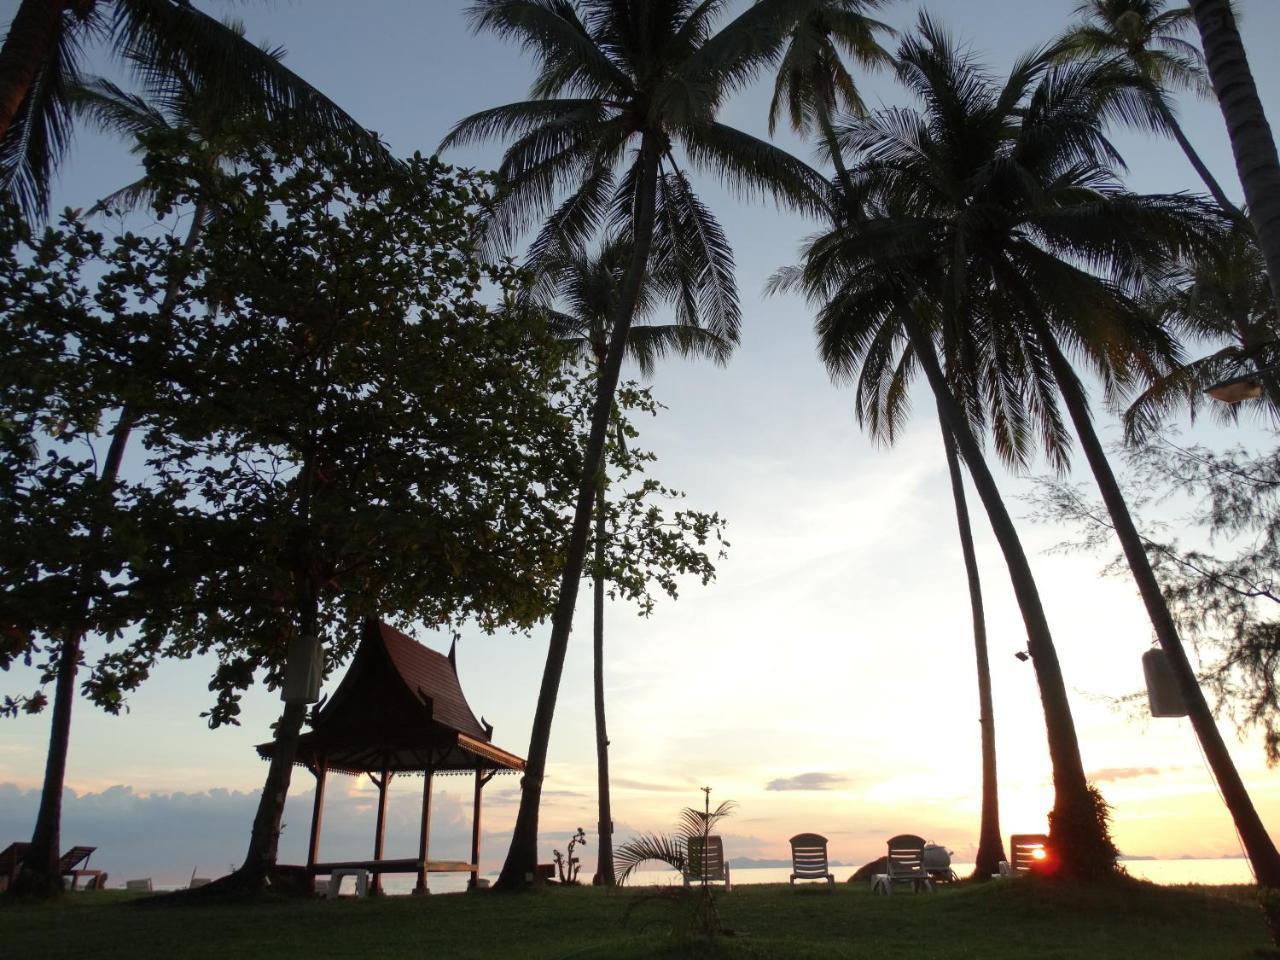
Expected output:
{"points": [[381, 829], [317, 816], [475, 829], [424, 836]]}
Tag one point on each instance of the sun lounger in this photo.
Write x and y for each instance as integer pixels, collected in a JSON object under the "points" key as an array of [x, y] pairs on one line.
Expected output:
{"points": [[10, 860], [809, 859], [905, 864], [74, 864], [708, 866]]}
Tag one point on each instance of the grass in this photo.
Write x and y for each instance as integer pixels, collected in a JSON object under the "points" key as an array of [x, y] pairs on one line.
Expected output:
{"points": [[1129, 920]]}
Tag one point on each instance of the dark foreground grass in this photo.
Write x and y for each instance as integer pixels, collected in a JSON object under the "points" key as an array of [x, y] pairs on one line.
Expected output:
{"points": [[996, 921]]}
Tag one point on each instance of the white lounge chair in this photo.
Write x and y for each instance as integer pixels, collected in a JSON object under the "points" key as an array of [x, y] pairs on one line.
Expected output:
{"points": [[710, 868], [905, 864], [809, 859]]}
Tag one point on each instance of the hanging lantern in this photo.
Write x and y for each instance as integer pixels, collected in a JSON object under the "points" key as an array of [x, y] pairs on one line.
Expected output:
{"points": [[303, 671], [1163, 695]]}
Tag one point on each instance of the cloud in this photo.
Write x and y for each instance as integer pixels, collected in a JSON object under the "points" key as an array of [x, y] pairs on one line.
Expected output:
{"points": [[808, 781], [166, 836], [649, 786], [1107, 774]]}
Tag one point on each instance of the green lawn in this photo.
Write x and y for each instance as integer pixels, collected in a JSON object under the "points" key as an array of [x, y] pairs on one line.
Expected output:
{"points": [[1000, 920]]}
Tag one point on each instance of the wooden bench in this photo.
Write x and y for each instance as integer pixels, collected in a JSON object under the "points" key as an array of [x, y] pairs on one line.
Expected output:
{"points": [[1025, 851], [407, 865], [403, 865]]}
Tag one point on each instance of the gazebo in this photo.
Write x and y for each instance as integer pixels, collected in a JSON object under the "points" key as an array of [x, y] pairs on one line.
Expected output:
{"points": [[399, 709]]}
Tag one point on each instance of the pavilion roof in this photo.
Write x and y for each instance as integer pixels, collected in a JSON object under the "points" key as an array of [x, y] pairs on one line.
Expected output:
{"points": [[400, 708]]}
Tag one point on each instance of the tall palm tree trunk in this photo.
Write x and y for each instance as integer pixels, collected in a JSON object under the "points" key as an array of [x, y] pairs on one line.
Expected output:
{"points": [[522, 857], [990, 844], [1251, 140], [1079, 838], [29, 45], [1258, 845], [604, 858], [39, 875], [1197, 164]]}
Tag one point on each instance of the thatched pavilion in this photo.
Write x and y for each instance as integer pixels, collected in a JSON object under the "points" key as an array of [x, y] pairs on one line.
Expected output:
{"points": [[399, 709]]}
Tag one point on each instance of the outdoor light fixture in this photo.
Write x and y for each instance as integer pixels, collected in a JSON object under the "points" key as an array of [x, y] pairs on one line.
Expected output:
{"points": [[1247, 387], [1023, 656]]}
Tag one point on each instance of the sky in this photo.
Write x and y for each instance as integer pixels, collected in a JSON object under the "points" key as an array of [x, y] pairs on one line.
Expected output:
{"points": [[824, 681]]}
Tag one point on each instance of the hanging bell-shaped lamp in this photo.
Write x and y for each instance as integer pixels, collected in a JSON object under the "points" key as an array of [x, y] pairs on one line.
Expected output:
{"points": [[1163, 695]]}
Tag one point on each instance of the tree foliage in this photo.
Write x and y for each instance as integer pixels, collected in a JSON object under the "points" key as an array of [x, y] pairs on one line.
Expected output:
{"points": [[333, 418], [1217, 564], [647, 545]]}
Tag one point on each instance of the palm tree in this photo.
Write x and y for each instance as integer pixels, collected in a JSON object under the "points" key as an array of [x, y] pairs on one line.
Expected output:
{"points": [[1045, 202], [588, 287], [813, 83], [40, 71], [1147, 36], [1251, 140], [894, 278], [621, 84]]}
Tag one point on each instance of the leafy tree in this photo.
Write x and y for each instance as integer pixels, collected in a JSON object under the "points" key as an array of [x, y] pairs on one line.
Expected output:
{"points": [[1221, 590], [1251, 140], [163, 41], [586, 285], [349, 432], [176, 107], [78, 321], [621, 84], [1147, 36]]}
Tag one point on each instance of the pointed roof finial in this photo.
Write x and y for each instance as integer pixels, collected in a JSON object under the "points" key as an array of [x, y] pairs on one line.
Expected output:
{"points": [[453, 653]]}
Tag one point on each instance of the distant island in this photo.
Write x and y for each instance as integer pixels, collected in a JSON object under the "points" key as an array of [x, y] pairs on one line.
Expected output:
{"points": [[750, 863]]}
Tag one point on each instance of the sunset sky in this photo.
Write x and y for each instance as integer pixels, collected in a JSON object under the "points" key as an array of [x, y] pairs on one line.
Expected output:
{"points": [[824, 681]]}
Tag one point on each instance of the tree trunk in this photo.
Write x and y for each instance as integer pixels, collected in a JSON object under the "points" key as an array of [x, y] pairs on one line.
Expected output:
{"points": [[32, 38], [522, 857], [1251, 140], [1210, 182], [40, 875], [1257, 843], [1079, 840], [264, 840], [990, 844], [604, 859]]}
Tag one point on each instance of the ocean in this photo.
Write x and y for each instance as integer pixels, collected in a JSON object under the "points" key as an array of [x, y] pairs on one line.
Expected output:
{"points": [[1165, 872]]}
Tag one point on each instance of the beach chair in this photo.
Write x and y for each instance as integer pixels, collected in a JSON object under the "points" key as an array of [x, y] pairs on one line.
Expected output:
{"points": [[1026, 849], [809, 859], [904, 864], [706, 865], [74, 864], [11, 858]]}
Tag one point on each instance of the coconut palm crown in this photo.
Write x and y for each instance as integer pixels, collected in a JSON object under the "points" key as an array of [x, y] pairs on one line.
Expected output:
{"points": [[40, 69], [1148, 37]]}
